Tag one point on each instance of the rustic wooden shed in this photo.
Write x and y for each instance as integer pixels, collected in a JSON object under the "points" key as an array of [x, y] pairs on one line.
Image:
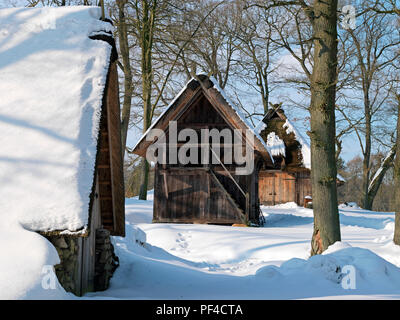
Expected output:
{"points": [[205, 193], [69, 127], [288, 179]]}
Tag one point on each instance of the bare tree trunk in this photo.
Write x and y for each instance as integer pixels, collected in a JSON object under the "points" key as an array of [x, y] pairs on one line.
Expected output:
{"points": [[146, 42], [322, 134], [103, 15], [367, 150], [144, 179], [338, 148], [376, 181], [396, 237], [128, 88]]}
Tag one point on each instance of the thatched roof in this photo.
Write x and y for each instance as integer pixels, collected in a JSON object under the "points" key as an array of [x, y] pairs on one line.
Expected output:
{"points": [[297, 149]]}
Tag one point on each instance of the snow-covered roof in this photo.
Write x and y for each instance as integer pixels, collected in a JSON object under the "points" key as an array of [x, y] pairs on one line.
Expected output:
{"points": [[305, 145], [290, 128], [276, 144], [52, 77]]}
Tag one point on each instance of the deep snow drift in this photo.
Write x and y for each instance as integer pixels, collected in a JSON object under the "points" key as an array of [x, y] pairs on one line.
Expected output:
{"points": [[181, 261]]}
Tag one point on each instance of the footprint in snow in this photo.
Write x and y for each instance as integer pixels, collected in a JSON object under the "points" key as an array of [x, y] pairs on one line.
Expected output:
{"points": [[182, 242]]}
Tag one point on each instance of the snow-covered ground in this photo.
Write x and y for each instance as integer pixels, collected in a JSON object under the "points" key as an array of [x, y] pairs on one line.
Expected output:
{"points": [[184, 261]]}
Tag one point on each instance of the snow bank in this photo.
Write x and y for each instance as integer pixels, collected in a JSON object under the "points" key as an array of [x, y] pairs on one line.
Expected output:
{"points": [[338, 245], [52, 78], [180, 261], [329, 272], [287, 205], [197, 261], [27, 272]]}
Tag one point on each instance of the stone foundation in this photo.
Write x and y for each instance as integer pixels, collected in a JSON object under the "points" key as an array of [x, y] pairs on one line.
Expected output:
{"points": [[67, 248], [68, 272], [106, 260]]}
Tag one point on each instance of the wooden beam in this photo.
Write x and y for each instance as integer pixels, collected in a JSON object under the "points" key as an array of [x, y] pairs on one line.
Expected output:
{"points": [[165, 184], [238, 211]]}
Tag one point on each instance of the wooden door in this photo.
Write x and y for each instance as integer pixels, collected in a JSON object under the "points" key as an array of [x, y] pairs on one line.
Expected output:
{"points": [[276, 187], [266, 188], [285, 188]]}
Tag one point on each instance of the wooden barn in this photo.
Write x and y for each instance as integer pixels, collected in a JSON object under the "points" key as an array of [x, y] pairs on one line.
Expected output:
{"points": [[288, 179], [65, 129], [207, 191]]}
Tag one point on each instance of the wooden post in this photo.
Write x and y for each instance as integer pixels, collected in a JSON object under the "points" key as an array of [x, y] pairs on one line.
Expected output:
{"points": [[103, 16], [247, 207], [165, 184]]}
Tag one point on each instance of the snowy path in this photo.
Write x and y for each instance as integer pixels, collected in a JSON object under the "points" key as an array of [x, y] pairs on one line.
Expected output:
{"points": [[218, 262]]}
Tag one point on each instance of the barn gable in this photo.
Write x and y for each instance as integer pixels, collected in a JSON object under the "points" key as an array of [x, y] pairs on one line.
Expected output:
{"points": [[217, 99], [211, 192]]}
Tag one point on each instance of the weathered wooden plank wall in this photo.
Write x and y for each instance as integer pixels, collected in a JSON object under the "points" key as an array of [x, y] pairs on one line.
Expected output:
{"points": [[303, 186], [88, 247], [109, 164], [192, 197], [279, 187], [116, 161]]}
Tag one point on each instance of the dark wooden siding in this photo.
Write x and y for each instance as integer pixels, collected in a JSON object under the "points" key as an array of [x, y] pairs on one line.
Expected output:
{"points": [[116, 161], [109, 164], [87, 255], [191, 195], [303, 186]]}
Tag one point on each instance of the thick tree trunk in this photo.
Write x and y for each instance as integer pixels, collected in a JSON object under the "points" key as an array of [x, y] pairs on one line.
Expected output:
{"points": [[396, 237], [322, 134]]}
